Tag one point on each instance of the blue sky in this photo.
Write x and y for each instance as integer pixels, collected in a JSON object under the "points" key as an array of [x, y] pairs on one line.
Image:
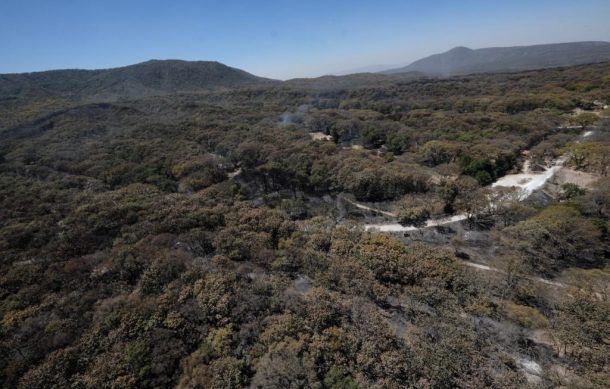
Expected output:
{"points": [[282, 38]]}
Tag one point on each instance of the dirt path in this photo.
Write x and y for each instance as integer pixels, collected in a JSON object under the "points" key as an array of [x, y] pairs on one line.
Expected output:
{"points": [[362, 206], [525, 182], [531, 278], [396, 227]]}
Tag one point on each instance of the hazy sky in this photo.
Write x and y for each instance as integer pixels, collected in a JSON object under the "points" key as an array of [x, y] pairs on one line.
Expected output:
{"points": [[282, 38]]}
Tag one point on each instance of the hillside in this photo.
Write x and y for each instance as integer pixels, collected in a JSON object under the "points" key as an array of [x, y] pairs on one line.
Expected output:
{"points": [[350, 81], [143, 79], [462, 60]]}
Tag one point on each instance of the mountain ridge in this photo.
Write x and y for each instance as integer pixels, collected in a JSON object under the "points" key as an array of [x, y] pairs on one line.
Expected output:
{"points": [[155, 77], [141, 79], [462, 60]]}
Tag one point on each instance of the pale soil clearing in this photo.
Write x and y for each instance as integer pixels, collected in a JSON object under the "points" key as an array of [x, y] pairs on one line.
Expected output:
{"points": [[527, 182], [570, 176], [320, 136], [234, 174]]}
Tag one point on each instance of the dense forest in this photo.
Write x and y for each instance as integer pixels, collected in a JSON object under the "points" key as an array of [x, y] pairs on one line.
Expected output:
{"points": [[216, 238]]}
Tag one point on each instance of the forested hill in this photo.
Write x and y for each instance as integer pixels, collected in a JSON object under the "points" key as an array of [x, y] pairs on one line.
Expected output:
{"points": [[352, 81], [144, 79], [462, 60]]}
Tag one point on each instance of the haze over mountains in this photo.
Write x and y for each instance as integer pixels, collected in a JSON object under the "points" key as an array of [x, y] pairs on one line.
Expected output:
{"points": [[169, 76], [462, 60]]}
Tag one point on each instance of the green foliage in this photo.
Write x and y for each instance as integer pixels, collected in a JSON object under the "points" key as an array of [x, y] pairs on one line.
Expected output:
{"points": [[524, 315], [391, 261], [485, 171], [137, 357], [571, 191], [584, 119], [590, 156], [557, 238], [384, 184], [336, 378], [581, 326], [416, 210], [437, 152]]}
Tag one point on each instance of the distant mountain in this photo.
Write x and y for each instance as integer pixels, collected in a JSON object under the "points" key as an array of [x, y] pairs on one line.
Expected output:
{"points": [[462, 60], [147, 78], [351, 81], [365, 69]]}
